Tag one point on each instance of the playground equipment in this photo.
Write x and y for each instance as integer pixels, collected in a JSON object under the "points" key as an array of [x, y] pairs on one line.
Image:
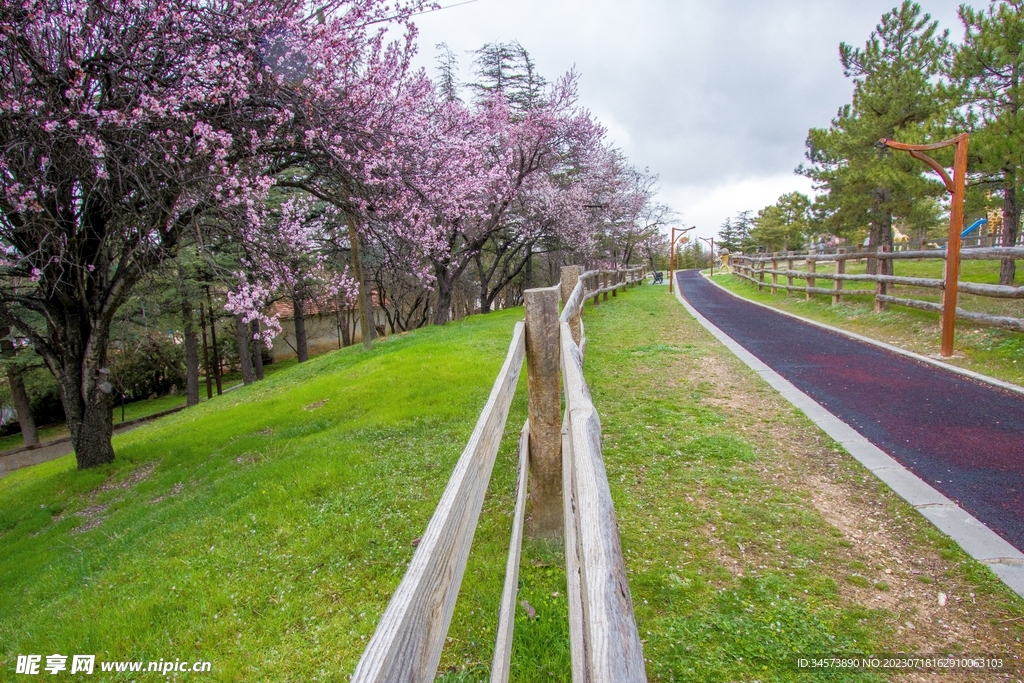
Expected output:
{"points": [[973, 226], [725, 266]]}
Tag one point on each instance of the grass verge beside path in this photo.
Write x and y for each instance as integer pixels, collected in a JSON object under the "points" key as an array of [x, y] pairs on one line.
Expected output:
{"points": [[994, 352], [266, 532], [750, 537]]}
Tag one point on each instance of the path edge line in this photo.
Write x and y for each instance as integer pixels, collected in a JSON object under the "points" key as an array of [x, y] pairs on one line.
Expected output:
{"points": [[976, 539], [987, 379]]}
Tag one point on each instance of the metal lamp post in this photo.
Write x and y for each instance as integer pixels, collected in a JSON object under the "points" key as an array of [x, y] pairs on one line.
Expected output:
{"points": [[955, 186], [672, 254], [711, 243]]}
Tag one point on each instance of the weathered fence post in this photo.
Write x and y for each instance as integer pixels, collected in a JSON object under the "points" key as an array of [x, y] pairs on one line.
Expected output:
{"points": [[570, 275], [837, 284], [615, 281], [880, 287], [596, 277], [789, 274], [775, 271], [605, 281], [812, 265], [542, 368], [760, 275]]}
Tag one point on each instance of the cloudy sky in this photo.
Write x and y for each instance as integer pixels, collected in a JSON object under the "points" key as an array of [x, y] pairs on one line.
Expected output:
{"points": [[715, 97]]}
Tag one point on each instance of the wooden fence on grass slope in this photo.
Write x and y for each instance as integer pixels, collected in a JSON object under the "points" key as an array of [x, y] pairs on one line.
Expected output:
{"points": [[754, 269], [560, 457]]}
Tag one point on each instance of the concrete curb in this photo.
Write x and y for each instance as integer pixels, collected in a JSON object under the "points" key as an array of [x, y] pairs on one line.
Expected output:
{"points": [[977, 540], [1009, 386]]}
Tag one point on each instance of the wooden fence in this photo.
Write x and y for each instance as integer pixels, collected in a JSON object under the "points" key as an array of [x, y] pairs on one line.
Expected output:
{"points": [[755, 268], [561, 465]]}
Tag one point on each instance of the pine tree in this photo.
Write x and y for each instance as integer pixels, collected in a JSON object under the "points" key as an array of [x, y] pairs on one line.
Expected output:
{"points": [[784, 225], [506, 69], [987, 76], [743, 224], [447, 68], [727, 236], [895, 96]]}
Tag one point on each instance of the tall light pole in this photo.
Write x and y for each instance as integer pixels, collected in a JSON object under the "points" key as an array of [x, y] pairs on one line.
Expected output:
{"points": [[955, 187], [711, 242], [672, 254]]}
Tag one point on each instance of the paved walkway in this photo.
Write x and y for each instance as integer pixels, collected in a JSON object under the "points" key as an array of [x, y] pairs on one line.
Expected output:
{"points": [[964, 437]]}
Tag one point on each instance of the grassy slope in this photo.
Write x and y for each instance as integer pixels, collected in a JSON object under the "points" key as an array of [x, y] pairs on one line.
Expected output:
{"points": [[137, 409], [290, 529], [994, 352], [293, 521]]}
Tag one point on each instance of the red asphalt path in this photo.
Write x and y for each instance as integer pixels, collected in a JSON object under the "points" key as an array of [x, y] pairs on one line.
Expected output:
{"points": [[964, 437]]}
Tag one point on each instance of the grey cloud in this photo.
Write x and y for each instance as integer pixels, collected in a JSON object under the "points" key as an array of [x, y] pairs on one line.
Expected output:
{"points": [[705, 91]]}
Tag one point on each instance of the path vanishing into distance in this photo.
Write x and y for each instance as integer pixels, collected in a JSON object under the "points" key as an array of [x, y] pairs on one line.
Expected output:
{"points": [[963, 437]]}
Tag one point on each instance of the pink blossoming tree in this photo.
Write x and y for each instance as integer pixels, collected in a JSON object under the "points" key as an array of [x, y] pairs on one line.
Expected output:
{"points": [[123, 121]]}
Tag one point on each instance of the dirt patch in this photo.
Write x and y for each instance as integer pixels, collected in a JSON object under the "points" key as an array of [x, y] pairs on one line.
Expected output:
{"points": [[313, 406], [137, 475], [934, 610], [93, 516], [175, 490], [932, 605], [880, 562]]}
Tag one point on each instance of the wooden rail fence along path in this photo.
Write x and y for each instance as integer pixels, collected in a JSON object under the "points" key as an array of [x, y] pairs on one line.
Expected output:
{"points": [[562, 469], [754, 268]]}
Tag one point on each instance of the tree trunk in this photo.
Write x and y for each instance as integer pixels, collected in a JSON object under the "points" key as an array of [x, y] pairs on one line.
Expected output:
{"points": [[1011, 226], [244, 359], [346, 337], [301, 346], [444, 301], [485, 281], [87, 395], [885, 243], [257, 356], [191, 356], [206, 355], [881, 231], [22, 404], [92, 425], [213, 341], [365, 304]]}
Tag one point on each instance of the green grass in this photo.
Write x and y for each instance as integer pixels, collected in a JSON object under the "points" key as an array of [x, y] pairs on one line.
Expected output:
{"points": [[994, 352], [266, 531], [272, 530], [132, 411], [143, 408], [733, 571], [47, 433]]}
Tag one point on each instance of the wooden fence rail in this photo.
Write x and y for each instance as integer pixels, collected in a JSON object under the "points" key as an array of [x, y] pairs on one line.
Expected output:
{"points": [[406, 647], [755, 268], [604, 640]]}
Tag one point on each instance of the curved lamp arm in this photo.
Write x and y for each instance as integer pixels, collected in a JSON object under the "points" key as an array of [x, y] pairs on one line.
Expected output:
{"points": [[916, 152]]}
